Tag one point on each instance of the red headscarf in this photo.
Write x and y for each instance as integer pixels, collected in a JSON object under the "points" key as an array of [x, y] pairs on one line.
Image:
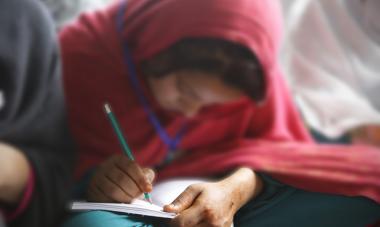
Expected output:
{"points": [[268, 137]]}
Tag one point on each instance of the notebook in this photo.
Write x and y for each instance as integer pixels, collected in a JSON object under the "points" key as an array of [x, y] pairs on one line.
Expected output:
{"points": [[163, 193], [138, 206]]}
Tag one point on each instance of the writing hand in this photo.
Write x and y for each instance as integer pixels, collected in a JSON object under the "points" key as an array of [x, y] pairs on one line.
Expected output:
{"points": [[119, 179]]}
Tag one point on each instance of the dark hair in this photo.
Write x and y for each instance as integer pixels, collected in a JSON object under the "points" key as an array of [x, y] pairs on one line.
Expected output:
{"points": [[235, 64]]}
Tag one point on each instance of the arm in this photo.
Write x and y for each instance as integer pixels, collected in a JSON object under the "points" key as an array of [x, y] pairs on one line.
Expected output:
{"points": [[52, 176], [14, 173]]}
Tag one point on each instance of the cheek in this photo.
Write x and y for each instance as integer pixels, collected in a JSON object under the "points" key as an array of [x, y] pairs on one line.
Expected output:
{"points": [[166, 93]]}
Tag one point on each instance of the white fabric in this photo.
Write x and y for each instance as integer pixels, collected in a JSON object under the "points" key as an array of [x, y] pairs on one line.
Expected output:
{"points": [[331, 57], [65, 11], [2, 101]]}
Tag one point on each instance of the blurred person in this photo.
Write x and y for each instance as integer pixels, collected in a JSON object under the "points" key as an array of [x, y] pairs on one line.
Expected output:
{"points": [[330, 56], [35, 149], [198, 91], [64, 12]]}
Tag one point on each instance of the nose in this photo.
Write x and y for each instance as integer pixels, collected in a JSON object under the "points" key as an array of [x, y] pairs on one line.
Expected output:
{"points": [[190, 114], [191, 110]]}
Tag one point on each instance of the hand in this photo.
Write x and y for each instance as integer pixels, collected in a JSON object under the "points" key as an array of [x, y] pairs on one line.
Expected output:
{"points": [[215, 204], [119, 180], [14, 173]]}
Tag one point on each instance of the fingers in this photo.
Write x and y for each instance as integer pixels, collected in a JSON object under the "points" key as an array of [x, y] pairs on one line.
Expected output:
{"points": [[95, 194], [122, 180], [136, 173], [184, 200], [199, 216], [189, 217], [119, 180], [112, 190]]}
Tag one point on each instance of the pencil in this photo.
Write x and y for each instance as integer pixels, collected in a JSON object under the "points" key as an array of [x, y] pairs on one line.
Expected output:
{"points": [[127, 151]]}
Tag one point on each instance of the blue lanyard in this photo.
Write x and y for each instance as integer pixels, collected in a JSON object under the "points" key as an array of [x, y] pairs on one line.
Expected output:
{"points": [[172, 143]]}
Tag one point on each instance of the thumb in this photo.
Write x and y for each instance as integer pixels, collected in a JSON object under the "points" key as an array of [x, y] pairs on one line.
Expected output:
{"points": [[184, 200], [149, 176]]}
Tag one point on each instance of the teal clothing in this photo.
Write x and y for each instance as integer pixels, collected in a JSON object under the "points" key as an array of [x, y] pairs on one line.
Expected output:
{"points": [[277, 205], [282, 205], [109, 219]]}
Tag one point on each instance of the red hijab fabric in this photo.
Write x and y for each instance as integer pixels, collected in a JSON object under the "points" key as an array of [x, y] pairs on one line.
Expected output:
{"points": [[269, 137]]}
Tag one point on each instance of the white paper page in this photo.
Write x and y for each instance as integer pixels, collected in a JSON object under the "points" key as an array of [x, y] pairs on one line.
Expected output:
{"points": [[138, 206], [165, 192]]}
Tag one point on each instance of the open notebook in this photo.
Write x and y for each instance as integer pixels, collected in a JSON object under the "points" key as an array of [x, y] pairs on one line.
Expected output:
{"points": [[163, 193], [138, 206]]}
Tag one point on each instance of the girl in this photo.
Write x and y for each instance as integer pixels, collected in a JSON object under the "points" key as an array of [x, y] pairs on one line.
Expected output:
{"points": [[198, 92]]}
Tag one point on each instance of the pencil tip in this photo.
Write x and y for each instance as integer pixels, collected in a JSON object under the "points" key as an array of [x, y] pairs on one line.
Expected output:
{"points": [[148, 198]]}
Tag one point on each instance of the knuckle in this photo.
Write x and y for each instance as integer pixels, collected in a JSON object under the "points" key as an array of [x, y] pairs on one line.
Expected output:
{"points": [[135, 193], [119, 177], [179, 200], [211, 217], [114, 194], [192, 188], [111, 191], [208, 210], [141, 181]]}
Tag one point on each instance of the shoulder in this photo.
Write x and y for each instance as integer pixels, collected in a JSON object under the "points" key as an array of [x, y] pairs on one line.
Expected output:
{"points": [[24, 11], [89, 28], [25, 22]]}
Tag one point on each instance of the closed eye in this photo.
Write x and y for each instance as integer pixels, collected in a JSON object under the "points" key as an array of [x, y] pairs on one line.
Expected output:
{"points": [[184, 88]]}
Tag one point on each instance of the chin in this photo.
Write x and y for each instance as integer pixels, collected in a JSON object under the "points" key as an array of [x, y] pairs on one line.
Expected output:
{"points": [[171, 110]]}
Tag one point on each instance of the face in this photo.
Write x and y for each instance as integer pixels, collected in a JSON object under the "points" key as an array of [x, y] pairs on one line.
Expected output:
{"points": [[188, 92]]}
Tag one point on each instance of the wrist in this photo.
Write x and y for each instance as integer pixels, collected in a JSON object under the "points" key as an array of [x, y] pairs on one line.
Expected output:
{"points": [[244, 185]]}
